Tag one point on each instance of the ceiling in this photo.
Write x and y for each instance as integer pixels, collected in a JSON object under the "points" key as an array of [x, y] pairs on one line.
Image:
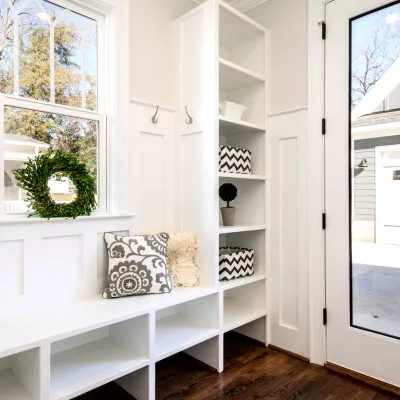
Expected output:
{"points": [[241, 5]]}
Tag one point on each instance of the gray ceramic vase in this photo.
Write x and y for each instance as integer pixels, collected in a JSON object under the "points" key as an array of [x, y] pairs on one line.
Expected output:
{"points": [[228, 215]]}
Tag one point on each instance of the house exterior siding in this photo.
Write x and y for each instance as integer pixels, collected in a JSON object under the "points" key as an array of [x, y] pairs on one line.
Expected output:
{"points": [[364, 177]]}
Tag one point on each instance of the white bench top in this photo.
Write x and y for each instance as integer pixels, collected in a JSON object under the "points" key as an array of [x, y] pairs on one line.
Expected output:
{"points": [[35, 323]]}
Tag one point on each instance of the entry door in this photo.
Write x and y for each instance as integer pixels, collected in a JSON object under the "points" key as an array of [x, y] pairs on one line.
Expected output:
{"points": [[362, 276]]}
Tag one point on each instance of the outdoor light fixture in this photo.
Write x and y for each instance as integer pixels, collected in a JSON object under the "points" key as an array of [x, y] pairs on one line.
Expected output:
{"points": [[363, 163]]}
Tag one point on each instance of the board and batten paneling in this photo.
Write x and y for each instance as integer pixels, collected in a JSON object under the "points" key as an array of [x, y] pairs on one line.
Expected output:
{"points": [[288, 236], [153, 160], [54, 262]]}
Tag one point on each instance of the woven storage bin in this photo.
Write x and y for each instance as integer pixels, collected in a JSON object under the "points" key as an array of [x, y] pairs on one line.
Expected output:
{"points": [[234, 160], [235, 262]]}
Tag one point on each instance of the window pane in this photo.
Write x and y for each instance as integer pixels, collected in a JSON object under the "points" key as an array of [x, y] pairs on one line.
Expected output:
{"points": [[28, 133], [56, 53], [34, 54], [6, 48], [375, 184]]}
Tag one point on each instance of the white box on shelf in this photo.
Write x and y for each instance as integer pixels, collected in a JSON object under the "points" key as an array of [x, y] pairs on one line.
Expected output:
{"points": [[235, 262], [232, 110], [234, 160]]}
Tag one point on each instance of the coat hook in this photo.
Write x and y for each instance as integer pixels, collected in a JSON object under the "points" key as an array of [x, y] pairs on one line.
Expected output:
{"points": [[190, 120], [154, 118]]}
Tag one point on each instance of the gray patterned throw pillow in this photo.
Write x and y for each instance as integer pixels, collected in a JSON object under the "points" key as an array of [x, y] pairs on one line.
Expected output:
{"points": [[137, 265]]}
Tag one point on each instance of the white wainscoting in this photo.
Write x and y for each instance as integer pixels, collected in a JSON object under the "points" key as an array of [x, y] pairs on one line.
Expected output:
{"points": [[153, 163], [289, 252], [54, 262]]}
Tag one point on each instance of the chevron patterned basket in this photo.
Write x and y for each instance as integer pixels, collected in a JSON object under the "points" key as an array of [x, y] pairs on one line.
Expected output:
{"points": [[234, 160], [235, 262]]}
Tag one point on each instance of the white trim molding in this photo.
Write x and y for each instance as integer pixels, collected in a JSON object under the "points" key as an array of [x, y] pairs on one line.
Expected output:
{"points": [[316, 201], [118, 80]]}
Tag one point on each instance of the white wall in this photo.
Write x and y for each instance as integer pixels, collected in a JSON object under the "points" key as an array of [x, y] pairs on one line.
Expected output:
{"points": [[287, 21], [151, 48]]}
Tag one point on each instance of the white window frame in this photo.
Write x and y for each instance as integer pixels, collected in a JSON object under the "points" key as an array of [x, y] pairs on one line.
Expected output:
{"points": [[101, 15]]}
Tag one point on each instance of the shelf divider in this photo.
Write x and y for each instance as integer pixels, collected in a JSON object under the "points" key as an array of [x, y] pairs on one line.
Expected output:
{"points": [[242, 176]]}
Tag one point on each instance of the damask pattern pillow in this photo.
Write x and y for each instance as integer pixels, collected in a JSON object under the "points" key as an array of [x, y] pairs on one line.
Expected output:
{"points": [[137, 265]]}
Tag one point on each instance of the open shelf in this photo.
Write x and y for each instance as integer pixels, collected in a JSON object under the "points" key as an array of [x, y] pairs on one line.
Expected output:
{"points": [[242, 176], [236, 27], [226, 285], [240, 228], [244, 304], [20, 376], [186, 325], [233, 76], [249, 203], [256, 143], [256, 241], [229, 126], [84, 362]]}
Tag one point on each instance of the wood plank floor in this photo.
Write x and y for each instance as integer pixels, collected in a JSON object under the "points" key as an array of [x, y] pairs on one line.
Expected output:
{"points": [[251, 372]]}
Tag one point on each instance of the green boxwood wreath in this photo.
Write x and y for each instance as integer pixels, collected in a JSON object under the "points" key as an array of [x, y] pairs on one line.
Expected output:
{"points": [[34, 177]]}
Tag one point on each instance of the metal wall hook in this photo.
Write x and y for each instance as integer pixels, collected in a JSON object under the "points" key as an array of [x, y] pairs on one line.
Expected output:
{"points": [[190, 120], [154, 118]]}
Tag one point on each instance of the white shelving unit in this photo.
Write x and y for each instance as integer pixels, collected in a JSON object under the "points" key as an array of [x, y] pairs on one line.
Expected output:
{"points": [[58, 352], [242, 79]]}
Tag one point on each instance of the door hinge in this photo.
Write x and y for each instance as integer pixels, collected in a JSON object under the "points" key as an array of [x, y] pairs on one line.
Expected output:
{"points": [[323, 126], [325, 316], [323, 221], [323, 26]]}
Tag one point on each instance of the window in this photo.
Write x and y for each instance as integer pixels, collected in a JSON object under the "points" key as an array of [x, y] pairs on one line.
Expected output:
{"points": [[52, 97]]}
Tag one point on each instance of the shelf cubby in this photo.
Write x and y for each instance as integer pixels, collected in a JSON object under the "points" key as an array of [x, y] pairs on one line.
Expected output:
{"points": [[20, 376], [256, 241], [186, 325], [249, 203], [251, 96], [255, 142], [244, 304], [83, 362]]}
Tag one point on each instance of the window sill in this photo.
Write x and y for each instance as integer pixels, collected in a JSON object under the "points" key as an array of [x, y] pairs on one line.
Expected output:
{"points": [[23, 219]]}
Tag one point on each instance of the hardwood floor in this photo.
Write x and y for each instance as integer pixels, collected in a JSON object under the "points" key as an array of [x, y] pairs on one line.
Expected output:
{"points": [[251, 372]]}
